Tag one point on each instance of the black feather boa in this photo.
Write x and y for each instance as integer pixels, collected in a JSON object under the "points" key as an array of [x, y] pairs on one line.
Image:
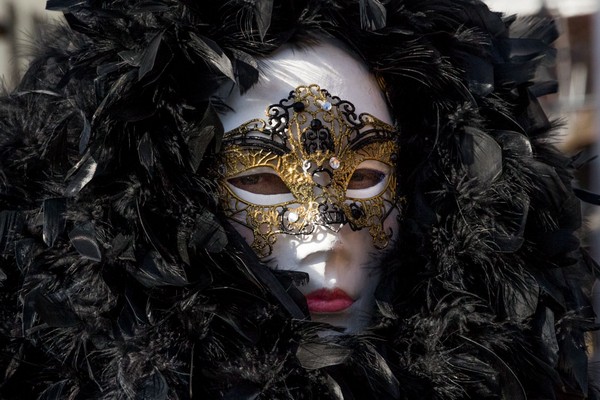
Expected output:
{"points": [[121, 280]]}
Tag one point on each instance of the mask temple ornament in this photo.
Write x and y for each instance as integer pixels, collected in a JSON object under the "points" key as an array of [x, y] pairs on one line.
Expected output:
{"points": [[312, 144]]}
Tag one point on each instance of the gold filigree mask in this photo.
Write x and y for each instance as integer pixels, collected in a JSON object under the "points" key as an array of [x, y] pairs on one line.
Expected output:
{"points": [[313, 161]]}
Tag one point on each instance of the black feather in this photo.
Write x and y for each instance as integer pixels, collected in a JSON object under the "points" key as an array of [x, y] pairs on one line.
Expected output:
{"points": [[54, 391], [372, 15], [315, 355], [63, 5], [244, 391], [210, 130], [262, 16], [112, 134], [156, 272], [146, 152], [84, 172], [83, 238], [10, 225], [54, 310], [481, 154], [154, 387], [54, 219], [84, 137], [148, 58], [210, 51]]}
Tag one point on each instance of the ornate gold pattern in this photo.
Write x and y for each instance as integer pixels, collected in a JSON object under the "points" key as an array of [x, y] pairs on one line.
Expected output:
{"points": [[314, 142]]}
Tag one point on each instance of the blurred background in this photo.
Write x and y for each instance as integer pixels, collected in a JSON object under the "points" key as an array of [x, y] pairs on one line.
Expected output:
{"points": [[20, 24], [577, 60]]}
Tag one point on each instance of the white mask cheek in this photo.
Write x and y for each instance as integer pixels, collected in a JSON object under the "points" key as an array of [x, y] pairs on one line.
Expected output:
{"points": [[305, 253]]}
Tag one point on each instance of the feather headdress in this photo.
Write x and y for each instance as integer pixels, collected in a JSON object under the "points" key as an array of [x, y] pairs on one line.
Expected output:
{"points": [[120, 278]]}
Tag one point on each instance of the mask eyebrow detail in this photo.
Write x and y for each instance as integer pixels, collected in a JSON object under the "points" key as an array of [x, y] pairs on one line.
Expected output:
{"points": [[367, 134], [366, 128], [272, 134], [256, 134]]}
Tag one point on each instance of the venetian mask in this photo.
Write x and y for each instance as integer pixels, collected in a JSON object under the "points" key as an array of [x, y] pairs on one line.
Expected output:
{"points": [[310, 181]]}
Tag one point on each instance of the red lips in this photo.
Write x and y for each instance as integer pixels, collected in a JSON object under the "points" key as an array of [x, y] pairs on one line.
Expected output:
{"points": [[328, 301]]}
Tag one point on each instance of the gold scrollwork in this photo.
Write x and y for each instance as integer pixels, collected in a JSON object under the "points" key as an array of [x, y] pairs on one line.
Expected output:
{"points": [[338, 123]]}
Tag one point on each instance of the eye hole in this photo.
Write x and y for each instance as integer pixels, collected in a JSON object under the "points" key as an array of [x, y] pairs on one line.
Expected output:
{"points": [[260, 183], [365, 178], [369, 179]]}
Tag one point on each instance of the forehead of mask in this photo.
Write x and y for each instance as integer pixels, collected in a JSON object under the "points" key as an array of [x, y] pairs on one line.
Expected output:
{"points": [[328, 64]]}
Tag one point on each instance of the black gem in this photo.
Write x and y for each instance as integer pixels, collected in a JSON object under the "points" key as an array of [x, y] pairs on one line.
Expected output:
{"points": [[394, 157], [356, 211], [316, 123], [298, 106]]}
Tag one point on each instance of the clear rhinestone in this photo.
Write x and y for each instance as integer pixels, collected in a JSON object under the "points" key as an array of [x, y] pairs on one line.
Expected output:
{"points": [[326, 106], [334, 162], [292, 217]]}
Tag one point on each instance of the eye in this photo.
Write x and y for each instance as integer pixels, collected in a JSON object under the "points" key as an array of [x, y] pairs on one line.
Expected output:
{"points": [[365, 178], [370, 179], [260, 183]]}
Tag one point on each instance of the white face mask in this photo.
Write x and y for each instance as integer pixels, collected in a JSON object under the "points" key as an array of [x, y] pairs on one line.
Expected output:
{"points": [[322, 200]]}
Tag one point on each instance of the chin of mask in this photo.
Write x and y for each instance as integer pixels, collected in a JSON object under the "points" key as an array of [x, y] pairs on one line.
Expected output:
{"points": [[307, 175]]}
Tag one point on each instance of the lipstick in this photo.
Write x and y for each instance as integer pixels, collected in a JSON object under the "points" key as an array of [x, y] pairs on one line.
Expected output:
{"points": [[328, 301]]}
